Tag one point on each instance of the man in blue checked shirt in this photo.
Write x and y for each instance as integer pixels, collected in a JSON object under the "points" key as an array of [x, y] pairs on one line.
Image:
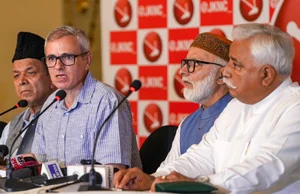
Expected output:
{"points": [[67, 130]]}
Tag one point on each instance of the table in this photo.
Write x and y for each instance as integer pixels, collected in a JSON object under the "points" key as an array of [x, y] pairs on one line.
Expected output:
{"points": [[74, 188]]}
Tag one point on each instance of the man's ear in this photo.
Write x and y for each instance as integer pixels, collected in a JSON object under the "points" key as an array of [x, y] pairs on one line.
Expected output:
{"points": [[220, 76], [267, 74], [89, 59]]}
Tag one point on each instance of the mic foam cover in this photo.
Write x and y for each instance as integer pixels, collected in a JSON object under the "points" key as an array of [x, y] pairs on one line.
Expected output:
{"points": [[23, 160], [60, 95], [22, 173], [22, 103], [135, 85]]}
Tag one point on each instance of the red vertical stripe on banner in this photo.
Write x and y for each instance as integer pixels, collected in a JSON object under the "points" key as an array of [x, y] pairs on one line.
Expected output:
{"points": [[152, 14], [177, 113], [216, 12], [154, 83], [179, 43], [287, 21], [123, 47]]}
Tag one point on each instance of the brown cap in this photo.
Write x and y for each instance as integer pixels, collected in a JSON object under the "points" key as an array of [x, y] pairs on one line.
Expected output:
{"points": [[213, 43]]}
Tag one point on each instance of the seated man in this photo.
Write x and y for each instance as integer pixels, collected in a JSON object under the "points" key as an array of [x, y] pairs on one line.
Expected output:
{"points": [[254, 145], [200, 73], [67, 130], [32, 83]]}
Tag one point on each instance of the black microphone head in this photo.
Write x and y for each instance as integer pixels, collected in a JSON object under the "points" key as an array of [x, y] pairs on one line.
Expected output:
{"points": [[60, 95], [97, 176], [21, 173], [3, 150], [22, 103], [135, 85]]}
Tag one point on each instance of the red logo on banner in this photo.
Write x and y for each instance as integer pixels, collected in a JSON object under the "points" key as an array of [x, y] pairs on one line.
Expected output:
{"points": [[123, 13], [178, 84], [251, 9], [133, 106], [141, 141], [183, 11], [152, 14], [216, 12], [179, 110], [289, 20], [123, 47], [273, 5], [152, 46], [179, 43], [154, 83], [152, 117], [123, 80], [218, 31]]}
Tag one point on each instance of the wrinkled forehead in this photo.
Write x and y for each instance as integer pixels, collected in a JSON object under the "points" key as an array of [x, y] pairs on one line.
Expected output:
{"points": [[28, 64], [63, 45]]}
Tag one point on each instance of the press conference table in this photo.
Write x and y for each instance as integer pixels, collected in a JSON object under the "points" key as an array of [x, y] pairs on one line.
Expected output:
{"points": [[74, 188]]}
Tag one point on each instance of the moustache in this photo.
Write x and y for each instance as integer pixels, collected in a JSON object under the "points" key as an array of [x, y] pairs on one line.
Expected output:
{"points": [[186, 80], [229, 83]]}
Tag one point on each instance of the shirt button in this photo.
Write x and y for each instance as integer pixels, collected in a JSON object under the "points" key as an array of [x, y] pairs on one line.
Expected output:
{"points": [[66, 114], [81, 136], [62, 136]]}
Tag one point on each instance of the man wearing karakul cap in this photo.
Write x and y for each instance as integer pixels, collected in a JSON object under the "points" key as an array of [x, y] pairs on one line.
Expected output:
{"points": [[201, 73], [206, 56], [32, 83], [253, 147]]}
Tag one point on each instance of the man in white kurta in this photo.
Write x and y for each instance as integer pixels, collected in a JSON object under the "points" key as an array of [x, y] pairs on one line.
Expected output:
{"points": [[254, 145]]}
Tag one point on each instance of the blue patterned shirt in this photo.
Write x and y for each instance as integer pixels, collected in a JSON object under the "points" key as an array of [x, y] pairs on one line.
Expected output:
{"points": [[67, 135]]}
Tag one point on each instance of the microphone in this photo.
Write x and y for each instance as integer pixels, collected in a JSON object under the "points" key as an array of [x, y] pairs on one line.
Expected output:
{"points": [[23, 160], [51, 170], [94, 177], [3, 151], [21, 103], [22, 173], [11, 184]]}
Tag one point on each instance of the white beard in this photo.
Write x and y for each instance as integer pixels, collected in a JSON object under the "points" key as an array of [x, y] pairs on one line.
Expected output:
{"points": [[202, 89]]}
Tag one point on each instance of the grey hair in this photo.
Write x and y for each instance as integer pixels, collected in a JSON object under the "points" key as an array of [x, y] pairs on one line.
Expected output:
{"points": [[62, 31], [221, 61], [269, 45]]}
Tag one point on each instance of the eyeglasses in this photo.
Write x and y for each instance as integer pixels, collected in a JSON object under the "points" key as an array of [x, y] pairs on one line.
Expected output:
{"points": [[191, 63], [65, 59]]}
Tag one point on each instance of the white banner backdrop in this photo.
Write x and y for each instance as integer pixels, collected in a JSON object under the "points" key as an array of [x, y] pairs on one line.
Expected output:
{"points": [[143, 39]]}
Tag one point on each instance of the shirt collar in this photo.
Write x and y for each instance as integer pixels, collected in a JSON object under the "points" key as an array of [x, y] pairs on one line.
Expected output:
{"points": [[28, 114], [264, 102], [88, 89], [217, 107], [85, 93]]}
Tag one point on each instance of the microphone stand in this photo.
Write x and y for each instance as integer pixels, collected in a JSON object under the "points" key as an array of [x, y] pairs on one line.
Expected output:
{"points": [[12, 108], [94, 177], [21, 103], [12, 184]]}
